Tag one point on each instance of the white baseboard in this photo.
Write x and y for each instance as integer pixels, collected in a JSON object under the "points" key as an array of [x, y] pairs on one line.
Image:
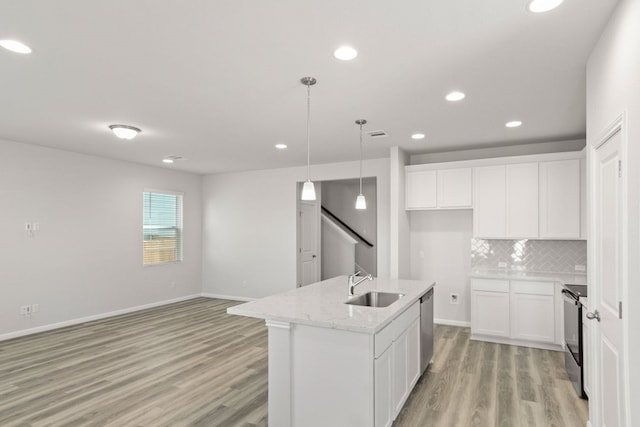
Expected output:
{"points": [[461, 323], [72, 322], [589, 423], [521, 343], [227, 297]]}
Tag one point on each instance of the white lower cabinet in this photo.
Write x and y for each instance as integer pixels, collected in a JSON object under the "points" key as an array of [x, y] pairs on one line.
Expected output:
{"points": [[397, 365], [490, 307], [515, 311], [533, 311]]}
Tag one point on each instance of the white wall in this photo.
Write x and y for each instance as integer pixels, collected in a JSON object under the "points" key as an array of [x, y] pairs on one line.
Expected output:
{"points": [[440, 249], [86, 259], [613, 88], [249, 248], [338, 251], [400, 238]]}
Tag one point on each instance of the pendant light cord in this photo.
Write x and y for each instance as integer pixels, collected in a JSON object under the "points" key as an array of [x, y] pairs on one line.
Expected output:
{"points": [[360, 158], [308, 127]]}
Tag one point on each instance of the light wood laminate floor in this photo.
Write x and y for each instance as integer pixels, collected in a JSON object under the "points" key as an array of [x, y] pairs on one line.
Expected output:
{"points": [[191, 364]]}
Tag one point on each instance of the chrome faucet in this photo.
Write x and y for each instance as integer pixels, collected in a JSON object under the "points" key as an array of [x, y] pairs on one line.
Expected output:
{"points": [[353, 284]]}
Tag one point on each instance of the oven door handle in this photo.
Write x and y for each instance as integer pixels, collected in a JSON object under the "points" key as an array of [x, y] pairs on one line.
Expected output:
{"points": [[568, 297]]}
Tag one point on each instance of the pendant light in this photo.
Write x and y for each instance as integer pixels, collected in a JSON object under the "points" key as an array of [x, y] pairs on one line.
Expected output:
{"points": [[308, 189], [361, 202]]}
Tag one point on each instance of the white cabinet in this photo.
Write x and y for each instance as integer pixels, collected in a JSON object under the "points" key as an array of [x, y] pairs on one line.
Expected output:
{"points": [[383, 398], [522, 200], [533, 311], [490, 307], [438, 189], [421, 190], [560, 199], [489, 201], [517, 312], [454, 188], [397, 364]]}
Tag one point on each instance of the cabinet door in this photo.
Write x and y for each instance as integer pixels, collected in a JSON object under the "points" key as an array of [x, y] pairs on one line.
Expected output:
{"points": [[533, 317], [489, 202], [413, 353], [399, 387], [533, 311], [560, 199], [421, 190], [454, 188], [522, 200], [383, 375], [490, 313]]}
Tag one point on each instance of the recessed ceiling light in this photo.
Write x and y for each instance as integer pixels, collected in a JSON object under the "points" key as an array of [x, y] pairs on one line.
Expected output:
{"points": [[417, 136], [167, 160], [345, 53], [15, 46], [281, 146], [513, 124], [125, 131], [539, 6], [455, 96]]}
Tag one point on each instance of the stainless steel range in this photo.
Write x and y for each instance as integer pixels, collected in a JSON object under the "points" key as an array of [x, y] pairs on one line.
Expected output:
{"points": [[574, 352]]}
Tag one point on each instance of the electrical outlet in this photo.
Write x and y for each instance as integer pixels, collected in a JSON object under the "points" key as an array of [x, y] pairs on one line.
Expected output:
{"points": [[35, 308], [453, 298], [502, 264], [579, 267], [25, 309]]}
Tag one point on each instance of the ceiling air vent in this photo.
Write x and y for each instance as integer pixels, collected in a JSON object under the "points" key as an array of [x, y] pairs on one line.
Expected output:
{"points": [[378, 134]]}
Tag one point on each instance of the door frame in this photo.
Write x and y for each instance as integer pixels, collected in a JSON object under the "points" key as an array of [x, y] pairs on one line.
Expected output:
{"points": [[617, 125], [318, 203]]}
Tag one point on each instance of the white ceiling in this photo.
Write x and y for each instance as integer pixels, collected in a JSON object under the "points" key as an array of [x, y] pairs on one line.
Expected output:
{"points": [[217, 81]]}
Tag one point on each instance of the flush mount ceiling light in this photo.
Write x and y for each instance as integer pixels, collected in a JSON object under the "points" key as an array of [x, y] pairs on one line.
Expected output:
{"points": [[125, 131], [417, 136], [513, 124], [455, 96], [15, 46], [345, 53], [281, 146], [308, 189], [361, 202], [171, 159], [539, 6], [167, 160]]}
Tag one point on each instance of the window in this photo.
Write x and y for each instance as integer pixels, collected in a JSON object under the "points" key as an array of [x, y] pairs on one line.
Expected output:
{"points": [[162, 227]]}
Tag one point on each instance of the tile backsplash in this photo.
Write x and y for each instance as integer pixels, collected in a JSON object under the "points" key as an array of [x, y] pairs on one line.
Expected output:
{"points": [[529, 255]]}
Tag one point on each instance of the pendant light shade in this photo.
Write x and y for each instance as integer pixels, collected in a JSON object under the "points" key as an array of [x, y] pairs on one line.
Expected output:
{"points": [[308, 189], [361, 202]]}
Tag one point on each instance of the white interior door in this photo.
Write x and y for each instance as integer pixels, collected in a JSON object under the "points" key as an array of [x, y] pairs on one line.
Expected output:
{"points": [[309, 243], [607, 282]]}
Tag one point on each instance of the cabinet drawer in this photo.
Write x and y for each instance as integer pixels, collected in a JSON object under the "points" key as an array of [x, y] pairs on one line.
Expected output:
{"points": [[393, 330], [490, 285], [532, 288]]}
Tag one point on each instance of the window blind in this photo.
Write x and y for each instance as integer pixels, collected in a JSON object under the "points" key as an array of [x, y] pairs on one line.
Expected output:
{"points": [[162, 227]]}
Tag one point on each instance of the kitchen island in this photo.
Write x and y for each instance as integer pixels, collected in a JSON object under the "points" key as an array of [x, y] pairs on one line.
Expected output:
{"points": [[332, 363]]}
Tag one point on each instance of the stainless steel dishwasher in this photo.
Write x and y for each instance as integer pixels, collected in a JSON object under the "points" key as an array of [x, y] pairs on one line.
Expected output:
{"points": [[426, 330]]}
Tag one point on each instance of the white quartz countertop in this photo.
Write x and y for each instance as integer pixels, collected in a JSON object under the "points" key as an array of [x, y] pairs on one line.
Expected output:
{"points": [[323, 304], [562, 278]]}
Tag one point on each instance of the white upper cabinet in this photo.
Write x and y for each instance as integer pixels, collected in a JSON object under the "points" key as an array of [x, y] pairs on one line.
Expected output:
{"points": [[522, 200], [454, 188], [560, 199], [439, 189], [489, 201], [421, 190]]}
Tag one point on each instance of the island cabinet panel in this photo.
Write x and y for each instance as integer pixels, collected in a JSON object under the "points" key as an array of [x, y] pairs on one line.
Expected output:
{"points": [[400, 388], [383, 398]]}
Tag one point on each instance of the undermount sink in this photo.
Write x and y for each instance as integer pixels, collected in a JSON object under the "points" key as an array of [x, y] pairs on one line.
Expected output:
{"points": [[375, 299]]}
